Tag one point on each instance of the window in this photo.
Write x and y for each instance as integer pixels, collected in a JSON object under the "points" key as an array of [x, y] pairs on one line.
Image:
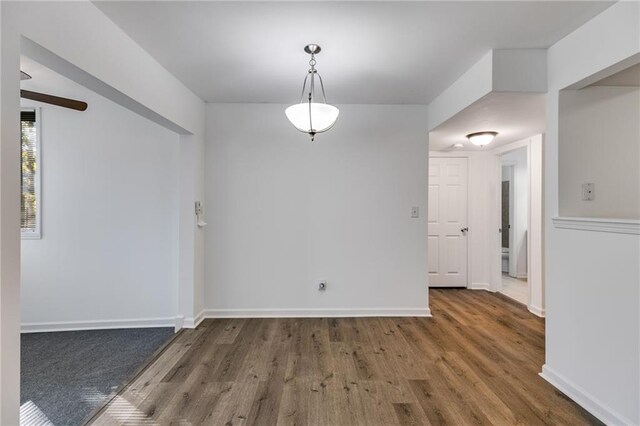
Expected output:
{"points": [[30, 171]]}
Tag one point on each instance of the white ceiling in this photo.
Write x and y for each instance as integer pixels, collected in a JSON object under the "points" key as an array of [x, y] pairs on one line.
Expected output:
{"points": [[629, 77], [45, 80], [373, 52], [514, 116]]}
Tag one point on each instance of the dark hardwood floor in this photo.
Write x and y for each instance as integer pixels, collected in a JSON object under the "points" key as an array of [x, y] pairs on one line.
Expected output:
{"points": [[475, 362]]}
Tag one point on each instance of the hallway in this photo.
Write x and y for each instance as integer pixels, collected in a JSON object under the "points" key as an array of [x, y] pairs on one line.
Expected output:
{"points": [[515, 288]]}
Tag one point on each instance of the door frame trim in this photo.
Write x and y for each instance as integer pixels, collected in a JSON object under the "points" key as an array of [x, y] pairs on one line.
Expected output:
{"points": [[512, 215]]}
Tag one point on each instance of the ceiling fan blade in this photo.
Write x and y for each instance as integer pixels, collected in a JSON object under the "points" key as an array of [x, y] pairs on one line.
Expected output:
{"points": [[24, 76], [54, 100]]}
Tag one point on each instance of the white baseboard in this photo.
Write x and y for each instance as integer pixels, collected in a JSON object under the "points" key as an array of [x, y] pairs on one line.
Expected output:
{"points": [[316, 313], [583, 398], [522, 276], [536, 310], [179, 321], [40, 327], [194, 322], [480, 286]]}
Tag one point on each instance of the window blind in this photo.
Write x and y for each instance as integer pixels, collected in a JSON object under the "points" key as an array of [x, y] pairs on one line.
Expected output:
{"points": [[29, 171], [28, 115]]}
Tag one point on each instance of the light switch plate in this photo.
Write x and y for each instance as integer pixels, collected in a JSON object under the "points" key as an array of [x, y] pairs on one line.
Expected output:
{"points": [[588, 192], [415, 212]]}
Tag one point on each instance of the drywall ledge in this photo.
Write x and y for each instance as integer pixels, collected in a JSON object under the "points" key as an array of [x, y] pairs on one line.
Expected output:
{"points": [[499, 70], [617, 226], [587, 401]]}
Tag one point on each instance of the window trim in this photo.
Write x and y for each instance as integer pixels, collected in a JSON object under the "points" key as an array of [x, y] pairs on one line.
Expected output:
{"points": [[36, 234]]}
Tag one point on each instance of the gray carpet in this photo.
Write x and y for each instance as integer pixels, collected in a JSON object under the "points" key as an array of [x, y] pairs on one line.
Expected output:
{"points": [[66, 375]]}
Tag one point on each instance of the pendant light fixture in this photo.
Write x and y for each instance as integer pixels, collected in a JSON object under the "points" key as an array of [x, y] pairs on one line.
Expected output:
{"points": [[310, 116], [482, 138]]}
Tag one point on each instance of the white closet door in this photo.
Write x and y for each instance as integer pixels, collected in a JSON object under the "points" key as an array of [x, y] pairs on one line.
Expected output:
{"points": [[447, 247]]}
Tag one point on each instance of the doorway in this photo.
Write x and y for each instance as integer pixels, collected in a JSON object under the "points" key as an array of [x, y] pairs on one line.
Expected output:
{"points": [[514, 221]]}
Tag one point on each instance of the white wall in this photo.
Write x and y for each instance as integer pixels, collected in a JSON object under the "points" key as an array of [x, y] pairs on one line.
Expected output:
{"points": [[191, 247], [592, 278], [519, 221], [142, 86], [600, 132], [108, 254], [284, 211], [536, 248], [94, 45], [9, 221], [519, 70]]}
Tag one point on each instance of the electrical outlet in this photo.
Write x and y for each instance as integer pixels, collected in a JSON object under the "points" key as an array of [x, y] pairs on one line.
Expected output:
{"points": [[415, 211], [588, 192], [322, 285]]}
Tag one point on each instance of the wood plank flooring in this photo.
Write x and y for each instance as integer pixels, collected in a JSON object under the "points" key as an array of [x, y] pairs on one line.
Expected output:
{"points": [[475, 362]]}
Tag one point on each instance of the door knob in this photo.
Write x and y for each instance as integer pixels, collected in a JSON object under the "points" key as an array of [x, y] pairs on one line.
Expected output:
{"points": [[463, 230]]}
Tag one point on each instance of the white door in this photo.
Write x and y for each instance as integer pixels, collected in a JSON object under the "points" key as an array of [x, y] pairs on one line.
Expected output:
{"points": [[447, 247]]}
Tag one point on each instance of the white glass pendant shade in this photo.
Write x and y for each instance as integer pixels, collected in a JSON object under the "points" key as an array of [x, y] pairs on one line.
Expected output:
{"points": [[323, 116]]}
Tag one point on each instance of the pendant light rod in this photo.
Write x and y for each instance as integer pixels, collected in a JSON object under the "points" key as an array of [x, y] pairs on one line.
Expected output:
{"points": [[312, 72], [312, 62]]}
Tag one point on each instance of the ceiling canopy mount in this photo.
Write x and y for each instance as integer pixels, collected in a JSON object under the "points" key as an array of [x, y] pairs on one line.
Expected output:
{"points": [[312, 49]]}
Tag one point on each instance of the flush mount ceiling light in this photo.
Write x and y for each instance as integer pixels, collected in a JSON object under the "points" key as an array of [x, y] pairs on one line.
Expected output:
{"points": [[310, 116], [482, 138]]}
